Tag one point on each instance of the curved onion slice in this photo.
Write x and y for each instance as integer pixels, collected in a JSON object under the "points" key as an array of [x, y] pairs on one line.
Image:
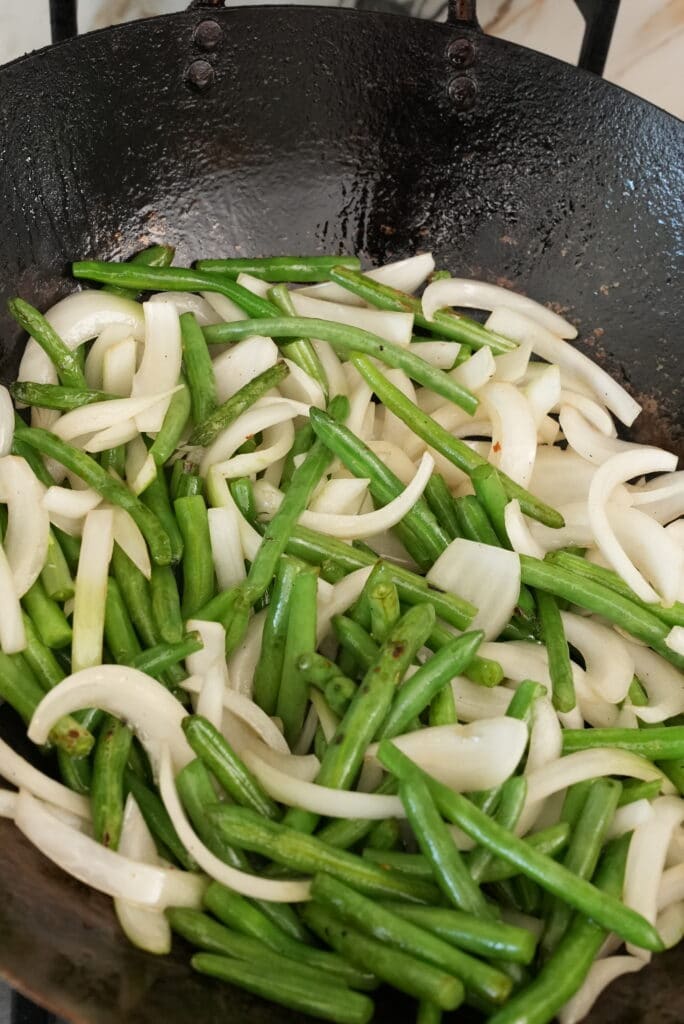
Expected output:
{"points": [[324, 714], [28, 524], [394, 458], [210, 679], [341, 495], [591, 410], [545, 747], [110, 336], [12, 633], [220, 496], [543, 392], [118, 368], [301, 387], [20, 773], [78, 318], [334, 803], [241, 363], [609, 666], [392, 327], [343, 596], [188, 302], [521, 328], [128, 536], [103, 415], [662, 498], [646, 859], [670, 925], [590, 764], [239, 881], [576, 531], [332, 367], [91, 589], [671, 888], [652, 550], [618, 470], [466, 757], [514, 436], [144, 704], [467, 294], [587, 441], [6, 421], [256, 419], [663, 683], [629, 817], [405, 275], [511, 366], [244, 659], [226, 550], [277, 441], [601, 974], [441, 354], [223, 307], [486, 576], [476, 702], [394, 429], [249, 713], [8, 803], [477, 371], [519, 533], [161, 362], [146, 929]]}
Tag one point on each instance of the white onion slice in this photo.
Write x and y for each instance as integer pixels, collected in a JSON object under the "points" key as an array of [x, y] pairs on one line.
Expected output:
{"points": [[20, 773], [244, 659], [591, 410], [488, 577], [239, 881], [128, 536], [146, 929], [325, 715], [248, 712], [12, 633], [512, 366], [662, 498], [241, 363], [277, 441], [160, 365], [220, 496], [514, 437], [223, 307], [118, 368], [332, 367], [6, 421], [519, 533], [225, 547], [629, 817], [675, 639], [91, 589], [521, 328], [103, 415], [587, 441], [255, 285], [590, 764], [646, 859], [671, 889], [106, 339], [576, 531], [28, 524], [394, 458], [252, 422], [543, 393], [617, 470], [663, 683], [341, 496], [651, 549], [468, 294], [188, 302], [670, 925], [476, 702], [405, 275], [609, 665], [477, 371], [394, 429], [110, 437], [8, 803], [300, 387], [601, 974], [392, 327], [441, 354], [343, 596]]}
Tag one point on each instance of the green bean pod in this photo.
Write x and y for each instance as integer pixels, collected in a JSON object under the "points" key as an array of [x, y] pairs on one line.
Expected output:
{"points": [[295, 269], [107, 788], [156, 498], [47, 616], [64, 360], [210, 426], [268, 671], [55, 396], [293, 693]]}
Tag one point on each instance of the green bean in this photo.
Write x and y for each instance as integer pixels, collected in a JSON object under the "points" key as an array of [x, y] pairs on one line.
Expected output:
{"points": [[317, 670], [55, 396], [173, 426], [295, 269], [303, 439], [113, 461], [198, 369], [106, 788], [664, 743], [441, 502], [445, 323], [673, 616], [220, 758], [155, 661], [211, 425], [186, 481], [635, 789], [55, 574], [157, 820], [438, 847], [339, 693], [419, 530], [583, 852], [76, 772], [428, 1013], [154, 256], [268, 671], [166, 606], [452, 448], [294, 988], [307, 855], [384, 608], [64, 360], [112, 490], [156, 498], [40, 659], [560, 668], [342, 833], [135, 590], [674, 770], [637, 695], [565, 971], [47, 616], [119, 633], [301, 350], [197, 564], [443, 707], [492, 496], [473, 521], [484, 671], [384, 835], [511, 802], [346, 340], [552, 877], [481, 936], [356, 639], [408, 974], [380, 923], [139, 763], [32, 457], [293, 693], [417, 692], [242, 492]]}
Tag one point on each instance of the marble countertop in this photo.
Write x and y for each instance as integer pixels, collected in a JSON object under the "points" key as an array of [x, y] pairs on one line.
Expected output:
{"points": [[646, 54]]}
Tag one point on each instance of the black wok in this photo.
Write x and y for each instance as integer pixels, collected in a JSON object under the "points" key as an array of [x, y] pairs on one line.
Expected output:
{"points": [[274, 130]]}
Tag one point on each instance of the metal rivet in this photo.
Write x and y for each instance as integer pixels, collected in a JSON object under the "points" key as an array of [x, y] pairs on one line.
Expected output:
{"points": [[200, 75], [208, 35], [460, 53], [462, 92]]}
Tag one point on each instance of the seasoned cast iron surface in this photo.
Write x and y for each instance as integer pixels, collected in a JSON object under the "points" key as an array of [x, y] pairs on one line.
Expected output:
{"points": [[300, 130]]}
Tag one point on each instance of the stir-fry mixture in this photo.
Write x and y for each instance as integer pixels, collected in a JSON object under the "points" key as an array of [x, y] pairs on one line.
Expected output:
{"points": [[352, 629]]}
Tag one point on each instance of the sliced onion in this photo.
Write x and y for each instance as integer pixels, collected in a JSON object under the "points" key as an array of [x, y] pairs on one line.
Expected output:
{"points": [[332, 367], [301, 387], [91, 589], [675, 639], [518, 327], [662, 498], [441, 354], [519, 533], [223, 307], [466, 293], [629, 817], [244, 659], [106, 339], [671, 889], [395, 459], [360, 397], [590, 764], [601, 974], [28, 524], [160, 365], [341, 496], [564, 477], [118, 368], [650, 548], [609, 665], [587, 441], [466, 757], [277, 441], [670, 925], [143, 703], [6, 421], [546, 737], [591, 410], [188, 302], [255, 285], [646, 859], [543, 392], [241, 363], [394, 429], [475, 702], [252, 422], [663, 683], [477, 371], [20, 773], [220, 496], [226, 550], [486, 576], [392, 327], [103, 415], [78, 318], [110, 437], [324, 714], [344, 594], [511, 366], [128, 536], [239, 881], [617, 470], [12, 633], [8, 803], [576, 531], [405, 275], [146, 929], [514, 437]]}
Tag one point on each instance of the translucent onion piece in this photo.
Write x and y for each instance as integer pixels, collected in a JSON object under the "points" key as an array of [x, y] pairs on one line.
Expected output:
{"points": [[543, 392], [521, 328], [110, 437], [608, 662], [28, 524], [277, 441], [629, 817], [511, 366], [325, 715], [592, 411], [546, 738], [441, 354], [226, 550], [590, 764], [395, 459], [466, 757], [127, 535], [519, 533], [6, 421], [488, 577], [187, 302], [332, 367], [342, 496], [8, 803], [12, 633], [617, 470], [514, 437], [144, 477], [394, 429], [243, 661], [651, 549], [91, 589], [564, 477], [300, 387], [254, 285], [78, 318], [223, 307], [601, 974], [405, 275], [360, 396], [101, 868], [675, 639], [671, 889], [576, 531], [670, 925], [477, 371], [246, 884], [521, 660], [143, 703], [646, 859], [662, 498], [476, 702], [220, 496], [252, 422], [343, 596], [469, 294], [663, 683], [160, 365], [241, 363], [393, 327], [587, 441], [106, 339], [103, 415], [146, 929], [20, 773], [118, 368]]}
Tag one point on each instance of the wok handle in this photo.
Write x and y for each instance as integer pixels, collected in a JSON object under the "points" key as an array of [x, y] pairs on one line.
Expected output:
{"points": [[63, 20], [599, 23]]}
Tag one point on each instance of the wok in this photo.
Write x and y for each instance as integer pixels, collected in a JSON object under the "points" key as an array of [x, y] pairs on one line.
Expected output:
{"points": [[275, 130]]}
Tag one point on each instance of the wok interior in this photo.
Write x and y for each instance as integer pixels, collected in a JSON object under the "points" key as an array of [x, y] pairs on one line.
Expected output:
{"points": [[325, 131]]}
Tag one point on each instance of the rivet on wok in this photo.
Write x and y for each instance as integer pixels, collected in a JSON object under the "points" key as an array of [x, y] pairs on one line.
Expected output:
{"points": [[460, 53], [462, 92], [208, 35], [200, 75]]}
